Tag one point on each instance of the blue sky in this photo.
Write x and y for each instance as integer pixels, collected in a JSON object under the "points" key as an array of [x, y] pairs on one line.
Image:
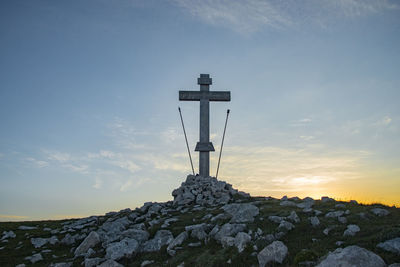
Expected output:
{"points": [[89, 97]]}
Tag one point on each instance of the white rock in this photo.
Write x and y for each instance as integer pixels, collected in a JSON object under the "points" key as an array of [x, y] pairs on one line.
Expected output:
{"points": [[241, 241], [241, 212], [90, 241], [288, 203], [110, 263], [139, 235], [327, 199], [342, 220], [161, 238], [351, 230], [380, 212], [352, 256], [284, 225], [275, 252], [275, 219], [229, 230], [178, 240], [293, 217], [392, 245], [123, 249], [314, 221], [146, 262], [91, 262], [22, 227], [38, 242], [9, 234], [227, 241], [34, 258], [334, 214]]}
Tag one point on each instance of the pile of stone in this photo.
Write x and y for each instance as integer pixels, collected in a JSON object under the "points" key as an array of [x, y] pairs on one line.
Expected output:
{"points": [[204, 191]]}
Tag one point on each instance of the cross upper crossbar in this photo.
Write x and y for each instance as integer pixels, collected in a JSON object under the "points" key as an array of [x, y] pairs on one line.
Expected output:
{"points": [[210, 95]]}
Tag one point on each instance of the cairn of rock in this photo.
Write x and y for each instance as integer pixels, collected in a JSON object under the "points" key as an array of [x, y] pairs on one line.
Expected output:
{"points": [[204, 191]]}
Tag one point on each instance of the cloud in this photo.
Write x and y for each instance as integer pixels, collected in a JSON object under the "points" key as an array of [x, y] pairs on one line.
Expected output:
{"points": [[98, 183], [386, 120], [126, 186], [127, 165], [249, 16], [57, 156], [242, 16], [39, 163]]}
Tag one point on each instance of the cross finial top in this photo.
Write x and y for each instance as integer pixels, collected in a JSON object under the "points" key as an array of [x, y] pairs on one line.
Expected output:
{"points": [[204, 79]]}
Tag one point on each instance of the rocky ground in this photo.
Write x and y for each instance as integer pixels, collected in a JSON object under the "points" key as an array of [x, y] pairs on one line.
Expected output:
{"points": [[211, 224]]}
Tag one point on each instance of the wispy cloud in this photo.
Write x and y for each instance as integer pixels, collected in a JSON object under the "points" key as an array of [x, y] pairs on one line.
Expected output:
{"points": [[57, 156], [248, 16], [98, 183], [39, 163]]}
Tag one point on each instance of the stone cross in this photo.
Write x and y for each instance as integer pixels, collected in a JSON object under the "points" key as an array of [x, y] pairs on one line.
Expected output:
{"points": [[204, 96]]}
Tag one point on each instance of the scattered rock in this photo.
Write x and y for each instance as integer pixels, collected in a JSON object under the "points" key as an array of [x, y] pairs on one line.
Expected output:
{"points": [[334, 214], [22, 227], [124, 249], [352, 256], [139, 235], [340, 206], [9, 234], [286, 226], [293, 217], [241, 212], [92, 262], [327, 199], [288, 203], [342, 220], [90, 241], [380, 212], [146, 262], [241, 241], [161, 238], [314, 221], [351, 230], [110, 263], [177, 241], [229, 230], [275, 252], [35, 258], [275, 219], [392, 245]]}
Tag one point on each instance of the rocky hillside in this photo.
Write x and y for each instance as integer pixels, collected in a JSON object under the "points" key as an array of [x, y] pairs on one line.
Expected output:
{"points": [[211, 224]]}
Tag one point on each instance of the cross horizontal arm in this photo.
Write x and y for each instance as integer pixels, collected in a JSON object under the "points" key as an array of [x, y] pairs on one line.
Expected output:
{"points": [[210, 95]]}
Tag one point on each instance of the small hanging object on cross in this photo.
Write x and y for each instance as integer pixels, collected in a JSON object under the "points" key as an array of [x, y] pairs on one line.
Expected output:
{"points": [[222, 143], [187, 145]]}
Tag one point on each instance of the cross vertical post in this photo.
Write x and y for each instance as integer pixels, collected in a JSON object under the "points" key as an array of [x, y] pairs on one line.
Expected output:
{"points": [[204, 146]]}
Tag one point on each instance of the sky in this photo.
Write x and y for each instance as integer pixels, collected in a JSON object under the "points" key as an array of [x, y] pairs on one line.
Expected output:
{"points": [[89, 118]]}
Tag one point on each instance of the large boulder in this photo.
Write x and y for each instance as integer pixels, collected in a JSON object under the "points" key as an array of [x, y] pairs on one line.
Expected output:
{"points": [[392, 245], [139, 235], [380, 212], [275, 252], [125, 248], [228, 230], [241, 240], [161, 238], [90, 241], [352, 256], [241, 212]]}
